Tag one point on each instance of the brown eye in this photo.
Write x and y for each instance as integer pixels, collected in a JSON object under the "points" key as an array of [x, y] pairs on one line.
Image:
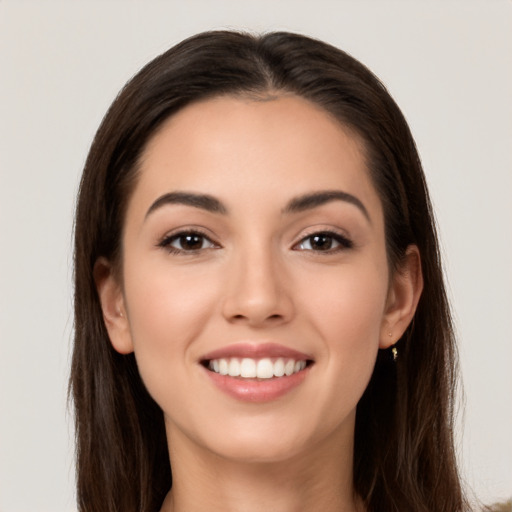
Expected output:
{"points": [[324, 242], [188, 241], [321, 242]]}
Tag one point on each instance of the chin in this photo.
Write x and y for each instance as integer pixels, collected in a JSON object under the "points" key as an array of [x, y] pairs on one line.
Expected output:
{"points": [[259, 451], [267, 439]]}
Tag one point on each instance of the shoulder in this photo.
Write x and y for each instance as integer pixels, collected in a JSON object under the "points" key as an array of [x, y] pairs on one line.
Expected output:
{"points": [[500, 507]]}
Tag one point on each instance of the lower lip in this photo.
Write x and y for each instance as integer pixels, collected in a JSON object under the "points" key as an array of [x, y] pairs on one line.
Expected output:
{"points": [[252, 390]]}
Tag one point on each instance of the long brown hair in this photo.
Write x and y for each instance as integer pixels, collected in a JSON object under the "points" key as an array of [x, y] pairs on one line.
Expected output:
{"points": [[404, 454]]}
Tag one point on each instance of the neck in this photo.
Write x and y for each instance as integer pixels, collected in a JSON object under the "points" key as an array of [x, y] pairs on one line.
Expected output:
{"points": [[319, 480]]}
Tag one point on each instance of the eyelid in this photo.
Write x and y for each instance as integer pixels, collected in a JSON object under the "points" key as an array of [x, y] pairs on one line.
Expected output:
{"points": [[165, 241], [344, 241]]}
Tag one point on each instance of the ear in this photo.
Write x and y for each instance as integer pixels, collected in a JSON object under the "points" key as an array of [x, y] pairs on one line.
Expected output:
{"points": [[113, 307], [403, 297]]}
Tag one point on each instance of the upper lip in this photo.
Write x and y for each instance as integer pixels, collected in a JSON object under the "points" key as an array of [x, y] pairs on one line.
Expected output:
{"points": [[256, 351]]}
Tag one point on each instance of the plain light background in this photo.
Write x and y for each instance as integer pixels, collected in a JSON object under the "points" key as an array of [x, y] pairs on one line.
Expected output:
{"points": [[448, 64]]}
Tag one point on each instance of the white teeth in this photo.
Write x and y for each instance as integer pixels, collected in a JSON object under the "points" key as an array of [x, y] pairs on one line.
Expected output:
{"points": [[265, 369], [223, 366], [279, 368], [289, 367], [234, 368], [248, 368], [299, 365]]}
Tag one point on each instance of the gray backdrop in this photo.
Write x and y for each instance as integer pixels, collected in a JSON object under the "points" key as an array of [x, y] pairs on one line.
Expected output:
{"points": [[448, 64]]}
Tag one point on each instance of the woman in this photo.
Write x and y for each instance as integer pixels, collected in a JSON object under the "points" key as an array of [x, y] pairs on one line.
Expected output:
{"points": [[259, 298]]}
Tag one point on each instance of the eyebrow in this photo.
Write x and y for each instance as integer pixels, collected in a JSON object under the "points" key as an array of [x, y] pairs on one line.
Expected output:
{"points": [[296, 205], [315, 199], [202, 201]]}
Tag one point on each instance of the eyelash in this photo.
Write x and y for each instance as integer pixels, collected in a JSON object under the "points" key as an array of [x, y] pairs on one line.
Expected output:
{"points": [[166, 243], [343, 242]]}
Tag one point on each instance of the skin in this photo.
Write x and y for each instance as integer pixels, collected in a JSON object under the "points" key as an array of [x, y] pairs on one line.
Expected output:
{"points": [[257, 277]]}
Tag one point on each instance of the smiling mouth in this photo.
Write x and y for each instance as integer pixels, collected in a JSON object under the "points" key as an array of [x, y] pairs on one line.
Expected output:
{"points": [[259, 369]]}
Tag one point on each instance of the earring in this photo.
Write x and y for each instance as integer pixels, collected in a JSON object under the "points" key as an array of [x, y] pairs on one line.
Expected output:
{"points": [[394, 350]]}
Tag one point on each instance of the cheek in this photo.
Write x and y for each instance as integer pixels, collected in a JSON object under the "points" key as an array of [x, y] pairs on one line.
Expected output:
{"points": [[167, 310], [162, 297], [347, 306], [346, 311], [341, 310]]}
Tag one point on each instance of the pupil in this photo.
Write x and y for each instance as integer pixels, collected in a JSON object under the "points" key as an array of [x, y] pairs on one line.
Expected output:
{"points": [[191, 241], [322, 242]]}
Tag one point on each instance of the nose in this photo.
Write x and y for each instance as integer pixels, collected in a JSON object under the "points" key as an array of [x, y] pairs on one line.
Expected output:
{"points": [[258, 290]]}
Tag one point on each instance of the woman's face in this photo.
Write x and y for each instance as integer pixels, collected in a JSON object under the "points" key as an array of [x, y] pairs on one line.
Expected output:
{"points": [[254, 243]]}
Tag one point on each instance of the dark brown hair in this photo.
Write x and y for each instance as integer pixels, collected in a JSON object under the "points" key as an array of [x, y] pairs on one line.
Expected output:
{"points": [[404, 453]]}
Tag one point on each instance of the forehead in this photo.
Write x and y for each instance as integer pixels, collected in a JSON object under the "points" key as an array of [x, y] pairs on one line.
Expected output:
{"points": [[238, 147]]}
